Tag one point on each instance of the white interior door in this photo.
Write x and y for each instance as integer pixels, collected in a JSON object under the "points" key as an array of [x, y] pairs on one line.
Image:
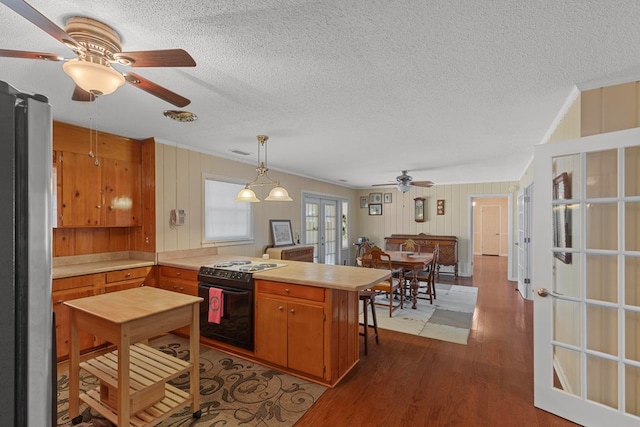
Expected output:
{"points": [[491, 230], [587, 270], [524, 242]]}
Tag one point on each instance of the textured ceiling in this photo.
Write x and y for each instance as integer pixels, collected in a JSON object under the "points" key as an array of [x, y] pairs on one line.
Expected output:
{"points": [[357, 90]]}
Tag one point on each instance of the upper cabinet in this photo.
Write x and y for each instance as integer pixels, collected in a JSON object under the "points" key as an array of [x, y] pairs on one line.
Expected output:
{"points": [[103, 195], [97, 191]]}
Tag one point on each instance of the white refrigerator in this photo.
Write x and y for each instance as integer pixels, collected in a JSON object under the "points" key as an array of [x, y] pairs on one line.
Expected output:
{"points": [[27, 327]]}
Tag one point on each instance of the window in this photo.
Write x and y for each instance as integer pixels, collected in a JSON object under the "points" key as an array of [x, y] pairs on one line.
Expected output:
{"points": [[225, 220]]}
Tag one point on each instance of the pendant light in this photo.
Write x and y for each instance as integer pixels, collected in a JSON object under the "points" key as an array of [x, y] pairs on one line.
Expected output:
{"points": [[277, 194]]}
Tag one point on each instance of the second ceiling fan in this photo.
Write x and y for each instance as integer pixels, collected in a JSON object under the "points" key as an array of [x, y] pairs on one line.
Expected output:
{"points": [[404, 182], [97, 46]]}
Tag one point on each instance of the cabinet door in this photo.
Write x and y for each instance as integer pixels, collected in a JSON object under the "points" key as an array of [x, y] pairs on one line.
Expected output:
{"points": [[81, 191], [87, 340], [305, 336], [271, 330], [121, 190]]}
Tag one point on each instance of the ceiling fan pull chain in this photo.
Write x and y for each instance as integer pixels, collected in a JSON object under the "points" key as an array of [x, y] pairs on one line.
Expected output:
{"points": [[97, 162], [90, 136]]}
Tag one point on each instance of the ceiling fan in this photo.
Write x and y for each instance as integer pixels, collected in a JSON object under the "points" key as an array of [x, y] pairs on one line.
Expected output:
{"points": [[405, 182], [97, 46]]}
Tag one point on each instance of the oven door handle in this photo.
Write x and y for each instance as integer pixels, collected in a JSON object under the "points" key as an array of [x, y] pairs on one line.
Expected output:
{"points": [[224, 289], [233, 291]]}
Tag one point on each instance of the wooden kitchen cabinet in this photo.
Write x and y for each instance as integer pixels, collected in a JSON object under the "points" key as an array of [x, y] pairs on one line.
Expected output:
{"points": [[107, 195], [70, 288], [293, 253], [120, 280], [179, 280], [290, 326]]}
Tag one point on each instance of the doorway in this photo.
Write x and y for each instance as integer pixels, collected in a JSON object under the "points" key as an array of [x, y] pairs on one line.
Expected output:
{"points": [[325, 222], [490, 222]]}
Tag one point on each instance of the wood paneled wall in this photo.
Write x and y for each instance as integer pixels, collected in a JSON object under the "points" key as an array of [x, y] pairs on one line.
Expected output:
{"points": [[93, 240], [179, 185]]}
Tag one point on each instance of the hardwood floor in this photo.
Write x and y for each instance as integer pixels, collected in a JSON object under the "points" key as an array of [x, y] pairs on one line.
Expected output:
{"points": [[412, 381]]}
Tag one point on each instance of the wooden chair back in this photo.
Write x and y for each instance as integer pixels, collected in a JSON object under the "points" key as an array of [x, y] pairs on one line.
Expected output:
{"points": [[409, 245]]}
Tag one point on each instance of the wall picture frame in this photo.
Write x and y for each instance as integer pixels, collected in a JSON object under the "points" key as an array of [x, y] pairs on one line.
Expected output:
{"points": [[375, 198], [440, 207], [281, 232], [375, 209], [387, 197], [364, 201]]}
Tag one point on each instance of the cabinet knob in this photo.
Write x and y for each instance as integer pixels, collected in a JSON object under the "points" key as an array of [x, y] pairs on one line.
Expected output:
{"points": [[59, 302], [178, 274], [293, 311], [128, 274], [280, 308], [175, 286], [287, 290], [98, 206]]}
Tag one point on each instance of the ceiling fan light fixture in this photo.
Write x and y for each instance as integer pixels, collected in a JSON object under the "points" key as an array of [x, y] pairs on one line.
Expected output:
{"points": [[94, 78], [404, 187]]}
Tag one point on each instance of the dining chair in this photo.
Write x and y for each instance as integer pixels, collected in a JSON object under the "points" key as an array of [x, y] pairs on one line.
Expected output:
{"points": [[376, 258], [426, 278]]}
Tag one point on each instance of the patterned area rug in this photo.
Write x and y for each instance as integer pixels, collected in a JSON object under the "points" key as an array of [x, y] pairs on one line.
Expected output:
{"points": [[233, 392], [449, 318]]}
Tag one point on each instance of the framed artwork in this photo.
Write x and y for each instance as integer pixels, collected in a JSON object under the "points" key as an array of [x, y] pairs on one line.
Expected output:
{"points": [[364, 202], [562, 217], [440, 207], [375, 197], [387, 197], [375, 209], [419, 207], [281, 232]]}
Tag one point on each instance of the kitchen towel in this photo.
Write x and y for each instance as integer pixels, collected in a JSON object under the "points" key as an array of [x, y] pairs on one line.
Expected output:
{"points": [[215, 305]]}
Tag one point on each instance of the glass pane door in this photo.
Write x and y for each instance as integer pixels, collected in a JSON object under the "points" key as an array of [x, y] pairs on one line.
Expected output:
{"points": [[586, 257]]}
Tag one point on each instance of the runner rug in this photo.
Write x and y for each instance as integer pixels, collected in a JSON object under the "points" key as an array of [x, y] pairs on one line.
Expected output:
{"points": [[233, 391], [449, 318]]}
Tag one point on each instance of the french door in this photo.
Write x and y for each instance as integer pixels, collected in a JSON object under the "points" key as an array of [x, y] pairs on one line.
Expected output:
{"points": [[524, 241], [322, 229], [587, 279]]}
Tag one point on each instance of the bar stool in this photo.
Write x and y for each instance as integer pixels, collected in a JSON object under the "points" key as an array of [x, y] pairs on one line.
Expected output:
{"points": [[367, 298]]}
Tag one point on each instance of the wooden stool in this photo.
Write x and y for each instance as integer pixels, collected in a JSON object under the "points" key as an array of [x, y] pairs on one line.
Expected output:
{"points": [[367, 298]]}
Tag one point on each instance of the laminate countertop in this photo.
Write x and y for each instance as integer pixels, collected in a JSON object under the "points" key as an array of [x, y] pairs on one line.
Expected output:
{"points": [[296, 272], [80, 269]]}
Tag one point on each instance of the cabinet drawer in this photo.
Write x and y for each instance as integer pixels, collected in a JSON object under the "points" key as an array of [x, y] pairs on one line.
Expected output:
{"points": [[77, 282], [179, 273], [128, 274], [181, 286], [295, 291]]}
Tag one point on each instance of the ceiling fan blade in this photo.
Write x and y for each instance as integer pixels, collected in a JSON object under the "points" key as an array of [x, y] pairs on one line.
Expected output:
{"points": [[31, 14], [157, 90], [82, 95], [157, 58], [30, 55], [422, 183]]}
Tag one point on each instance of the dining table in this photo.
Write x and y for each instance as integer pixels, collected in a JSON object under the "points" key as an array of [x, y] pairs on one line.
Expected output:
{"points": [[414, 261]]}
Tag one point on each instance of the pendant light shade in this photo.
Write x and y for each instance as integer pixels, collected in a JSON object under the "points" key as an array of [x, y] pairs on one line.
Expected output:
{"points": [[247, 195], [277, 194]]}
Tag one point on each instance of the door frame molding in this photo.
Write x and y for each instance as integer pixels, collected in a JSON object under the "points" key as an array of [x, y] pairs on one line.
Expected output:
{"points": [[510, 268]]}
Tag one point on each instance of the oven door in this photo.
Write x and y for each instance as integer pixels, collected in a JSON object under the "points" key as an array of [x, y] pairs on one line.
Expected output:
{"points": [[236, 324]]}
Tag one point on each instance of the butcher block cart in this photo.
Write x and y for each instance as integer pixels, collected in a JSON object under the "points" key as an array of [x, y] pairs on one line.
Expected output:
{"points": [[134, 389]]}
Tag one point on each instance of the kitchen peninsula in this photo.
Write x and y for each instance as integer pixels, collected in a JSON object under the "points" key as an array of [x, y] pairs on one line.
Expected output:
{"points": [[306, 314]]}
